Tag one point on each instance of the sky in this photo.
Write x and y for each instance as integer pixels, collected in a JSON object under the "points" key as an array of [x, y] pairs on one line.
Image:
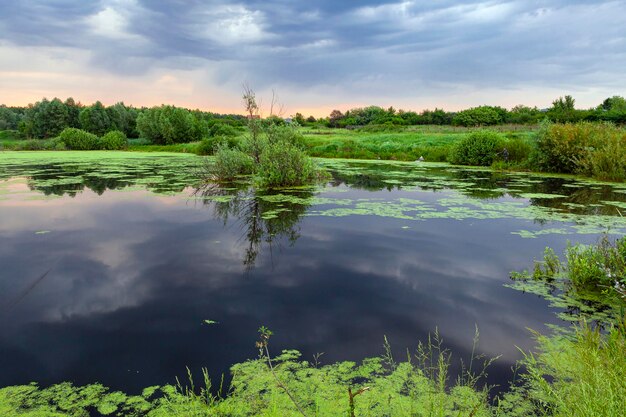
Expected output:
{"points": [[315, 55]]}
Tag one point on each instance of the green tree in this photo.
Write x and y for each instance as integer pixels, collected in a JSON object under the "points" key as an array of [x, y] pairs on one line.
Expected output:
{"points": [[123, 118], [335, 117], [45, 119], [8, 118], [73, 112], [169, 124], [563, 110], [95, 119], [299, 118]]}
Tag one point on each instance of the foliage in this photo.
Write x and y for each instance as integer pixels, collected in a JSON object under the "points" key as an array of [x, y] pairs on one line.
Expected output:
{"points": [[524, 115], [207, 146], [271, 150], [95, 119], [124, 119], [9, 119], [44, 119], [577, 375], [169, 124], [281, 386], [480, 116], [594, 149], [114, 140], [519, 149], [230, 163], [592, 281], [563, 111], [79, 140], [284, 164], [478, 148], [607, 161], [54, 144], [221, 129]]}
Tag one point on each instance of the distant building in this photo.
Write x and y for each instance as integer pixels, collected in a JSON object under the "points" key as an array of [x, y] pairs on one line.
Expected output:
{"points": [[254, 116]]}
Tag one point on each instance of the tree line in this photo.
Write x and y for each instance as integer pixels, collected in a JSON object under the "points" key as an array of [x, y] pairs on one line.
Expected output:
{"points": [[613, 109], [163, 124], [169, 124]]}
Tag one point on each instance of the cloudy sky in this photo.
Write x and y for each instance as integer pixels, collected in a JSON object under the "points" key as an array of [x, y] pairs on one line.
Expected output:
{"points": [[316, 55]]}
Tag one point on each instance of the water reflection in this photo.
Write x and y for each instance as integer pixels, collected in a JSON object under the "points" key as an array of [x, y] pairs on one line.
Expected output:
{"points": [[133, 274], [263, 218]]}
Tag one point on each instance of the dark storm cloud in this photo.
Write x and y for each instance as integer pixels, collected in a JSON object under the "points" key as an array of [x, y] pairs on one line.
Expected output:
{"points": [[380, 45]]}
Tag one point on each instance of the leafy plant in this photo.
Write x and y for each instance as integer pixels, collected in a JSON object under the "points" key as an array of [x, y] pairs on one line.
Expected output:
{"points": [[230, 163], [478, 148], [114, 140], [77, 139]]}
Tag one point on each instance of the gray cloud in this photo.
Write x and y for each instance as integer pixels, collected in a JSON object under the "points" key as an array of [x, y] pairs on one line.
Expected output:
{"points": [[354, 48]]}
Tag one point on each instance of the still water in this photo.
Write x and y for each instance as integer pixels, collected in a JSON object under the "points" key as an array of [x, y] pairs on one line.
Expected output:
{"points": [[110, 263]]}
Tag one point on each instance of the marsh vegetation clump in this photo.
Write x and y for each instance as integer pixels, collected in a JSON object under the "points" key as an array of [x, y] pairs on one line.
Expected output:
{"points": [[478, 148], [113, 141], [590, 282], [271, 152], [77, 139], [80, 140], [593, 149]]}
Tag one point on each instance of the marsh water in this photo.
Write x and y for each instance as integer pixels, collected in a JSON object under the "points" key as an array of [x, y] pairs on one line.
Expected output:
{"points": [[111, 262]]}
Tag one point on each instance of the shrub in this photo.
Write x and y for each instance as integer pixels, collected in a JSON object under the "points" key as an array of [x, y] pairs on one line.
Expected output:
{"points": [[285, 134], [114, 140], [231, 163], [31, 145], [208, 145], [607, 161], [283, 164], [77, 139], [222, 129], [479, 116], [568, 148], [478, 148]]}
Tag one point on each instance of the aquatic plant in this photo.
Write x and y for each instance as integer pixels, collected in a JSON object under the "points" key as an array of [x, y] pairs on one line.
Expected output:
{"points": [[579, 373], [590, 283], [229, 164]]}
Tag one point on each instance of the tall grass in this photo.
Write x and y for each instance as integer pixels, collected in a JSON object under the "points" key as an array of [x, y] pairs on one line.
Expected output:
{"points": [[593, 149], [579, 375]]}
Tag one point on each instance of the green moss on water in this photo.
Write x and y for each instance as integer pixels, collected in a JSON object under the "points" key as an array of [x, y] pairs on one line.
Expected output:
{"points": [[559, 204]]}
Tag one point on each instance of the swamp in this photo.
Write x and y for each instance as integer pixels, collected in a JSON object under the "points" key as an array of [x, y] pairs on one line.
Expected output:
{"points": [[124, 270]]}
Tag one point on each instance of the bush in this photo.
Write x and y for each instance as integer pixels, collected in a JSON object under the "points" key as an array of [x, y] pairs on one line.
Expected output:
{"points": [[606, 162], [479, 116], [208, 145], [478, 148], [77, 139], [285, 134], [114, 140], [223, 129], [595, 149], [283, 164], [231, 163]]}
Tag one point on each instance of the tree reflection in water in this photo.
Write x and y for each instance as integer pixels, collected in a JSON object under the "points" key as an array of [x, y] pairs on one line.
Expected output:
{"points": [[266, 218]]}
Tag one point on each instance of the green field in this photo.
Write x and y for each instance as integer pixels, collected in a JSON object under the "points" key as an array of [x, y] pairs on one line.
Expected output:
{"points": [[433, 143]]}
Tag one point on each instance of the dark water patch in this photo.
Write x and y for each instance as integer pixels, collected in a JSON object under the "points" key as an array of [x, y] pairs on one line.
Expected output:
{"points": [[136, 264]]}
